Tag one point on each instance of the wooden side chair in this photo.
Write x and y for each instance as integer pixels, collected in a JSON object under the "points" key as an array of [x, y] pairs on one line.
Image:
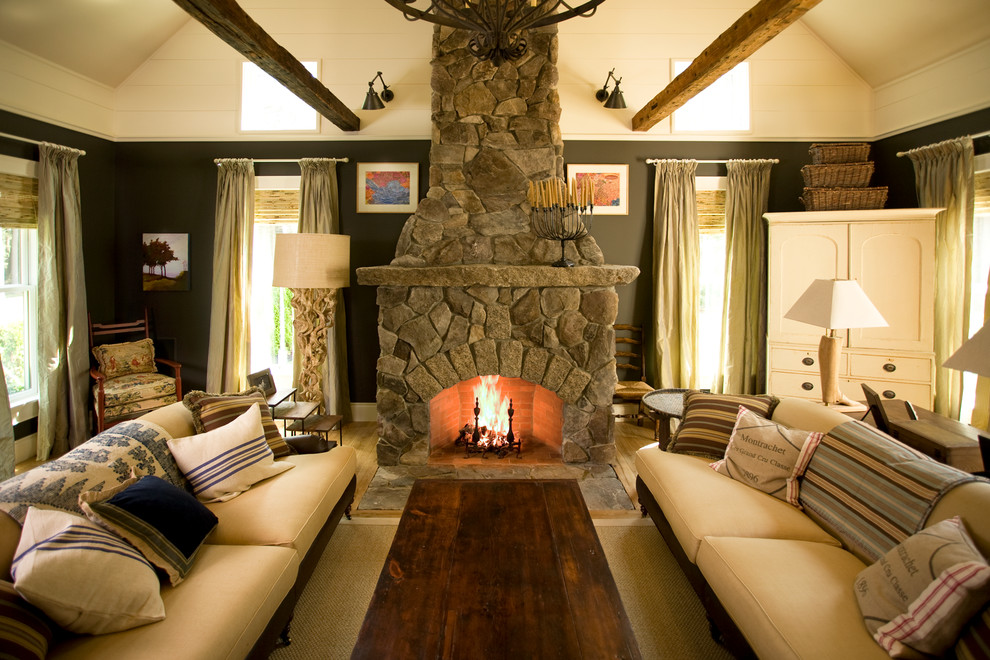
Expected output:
{"points": [[126, 381], [632, 385]]}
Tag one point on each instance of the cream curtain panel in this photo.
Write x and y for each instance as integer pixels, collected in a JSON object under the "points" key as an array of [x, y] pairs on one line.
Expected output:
{"points": [[742, 362], [981, 412], [230, 319], [7, 454], [675, 274], [943, 175], [319, 214], [63, 348]]}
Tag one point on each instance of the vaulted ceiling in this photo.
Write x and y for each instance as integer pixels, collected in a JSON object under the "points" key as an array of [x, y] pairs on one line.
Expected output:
{"points": [[108, 39]]}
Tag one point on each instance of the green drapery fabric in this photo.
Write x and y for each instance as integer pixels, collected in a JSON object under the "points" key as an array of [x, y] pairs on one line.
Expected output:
{"points": [[943, 176], [742, 363], [6, 431], [675, 274], [230, 319], [63, 348], [981, 411], [319, 214]]}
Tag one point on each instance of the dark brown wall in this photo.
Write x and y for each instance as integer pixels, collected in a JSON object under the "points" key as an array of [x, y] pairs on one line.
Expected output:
{"points": [[132, 188]]}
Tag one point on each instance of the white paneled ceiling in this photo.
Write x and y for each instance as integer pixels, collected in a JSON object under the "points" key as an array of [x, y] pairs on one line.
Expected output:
{"points": [[106, 40]]}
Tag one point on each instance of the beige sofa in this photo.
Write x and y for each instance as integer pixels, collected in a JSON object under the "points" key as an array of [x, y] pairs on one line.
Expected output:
{"points": [[238, 598], [775, 582]]}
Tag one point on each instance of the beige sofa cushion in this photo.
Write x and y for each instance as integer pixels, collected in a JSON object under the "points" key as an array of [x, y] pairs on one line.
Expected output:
{"points": [[792, 599], [290, 509], [175, 418], [218, 612], [699, 502]]}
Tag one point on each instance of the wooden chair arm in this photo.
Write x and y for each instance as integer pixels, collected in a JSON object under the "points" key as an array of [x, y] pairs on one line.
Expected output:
{"points": [[97, 375], [169, 363]]}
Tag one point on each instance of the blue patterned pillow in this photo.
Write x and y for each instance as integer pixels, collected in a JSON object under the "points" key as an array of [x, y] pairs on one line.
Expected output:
{"points": [[104, 461], [164, 522]]}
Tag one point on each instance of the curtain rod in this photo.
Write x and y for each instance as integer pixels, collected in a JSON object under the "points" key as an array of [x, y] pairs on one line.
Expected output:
{"points": [[975, 136], [654, 161], [282, 160], [30, 141]]}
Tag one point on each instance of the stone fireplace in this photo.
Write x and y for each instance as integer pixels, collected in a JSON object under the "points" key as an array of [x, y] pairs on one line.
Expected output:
{"points": [[469, 292]]}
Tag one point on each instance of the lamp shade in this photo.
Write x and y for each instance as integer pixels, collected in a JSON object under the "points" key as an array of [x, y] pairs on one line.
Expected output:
{"points": [[974, 354], [832, 304], [312, 261]]}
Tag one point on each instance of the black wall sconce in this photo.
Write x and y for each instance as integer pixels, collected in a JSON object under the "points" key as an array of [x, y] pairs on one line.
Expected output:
{"points": [[615, 100], [372, 101]]}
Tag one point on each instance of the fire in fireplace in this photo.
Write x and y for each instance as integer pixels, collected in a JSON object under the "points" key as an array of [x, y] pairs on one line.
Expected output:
{"points": [[491, 430]]}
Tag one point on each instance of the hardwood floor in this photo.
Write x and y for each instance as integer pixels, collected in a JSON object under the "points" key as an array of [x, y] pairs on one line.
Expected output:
{"points": [[628, 439]]}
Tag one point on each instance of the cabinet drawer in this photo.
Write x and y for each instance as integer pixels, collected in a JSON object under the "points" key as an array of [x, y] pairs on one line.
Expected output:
{"points": [[882, 367], [917, 393], [804, 360], [800, 385]]}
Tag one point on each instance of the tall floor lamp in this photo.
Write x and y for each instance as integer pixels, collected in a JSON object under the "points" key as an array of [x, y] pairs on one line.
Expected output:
{"points": [[832, 304], [314, 266]]}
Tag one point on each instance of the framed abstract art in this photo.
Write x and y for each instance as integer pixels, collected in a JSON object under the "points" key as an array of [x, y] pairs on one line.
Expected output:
{"points": [[387, 187], [611, 186]]}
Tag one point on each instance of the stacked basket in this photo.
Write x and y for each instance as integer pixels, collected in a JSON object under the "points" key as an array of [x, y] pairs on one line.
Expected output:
{"points": [[839, 178]]}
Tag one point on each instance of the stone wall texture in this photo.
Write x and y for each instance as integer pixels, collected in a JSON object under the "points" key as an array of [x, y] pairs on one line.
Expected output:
{"points": [[495, 129], [469, 292], [435, 337]]}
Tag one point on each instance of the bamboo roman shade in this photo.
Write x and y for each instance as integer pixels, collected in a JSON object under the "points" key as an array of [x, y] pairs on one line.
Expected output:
{"points": [[982, 195], [276, 205], [18, 201]]}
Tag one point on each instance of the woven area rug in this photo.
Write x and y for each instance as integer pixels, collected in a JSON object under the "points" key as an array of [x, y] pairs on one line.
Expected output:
{"points": [[666, 616]]}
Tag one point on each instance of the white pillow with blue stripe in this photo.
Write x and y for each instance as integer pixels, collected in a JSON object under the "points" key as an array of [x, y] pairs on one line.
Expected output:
{"points": [[223, 463], [83, 577]]}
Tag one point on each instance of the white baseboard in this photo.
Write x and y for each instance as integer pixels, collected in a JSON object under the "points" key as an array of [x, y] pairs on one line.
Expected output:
{"points": [[364, 412], [26, 448]]}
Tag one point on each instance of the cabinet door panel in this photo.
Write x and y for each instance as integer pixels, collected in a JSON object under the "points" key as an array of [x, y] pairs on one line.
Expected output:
{"points": [[800, 254], [894, 263]]}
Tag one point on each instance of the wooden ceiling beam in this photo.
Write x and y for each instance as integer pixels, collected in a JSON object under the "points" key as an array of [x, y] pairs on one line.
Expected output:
{"points": [[743, 38], [227, 20]]}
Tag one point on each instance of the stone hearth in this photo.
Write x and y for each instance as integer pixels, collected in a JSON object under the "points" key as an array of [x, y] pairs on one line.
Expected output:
{"points": [[469, 292]]}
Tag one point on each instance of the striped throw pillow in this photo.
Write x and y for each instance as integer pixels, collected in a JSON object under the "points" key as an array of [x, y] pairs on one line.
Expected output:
{"points": [[84, 578], [708, 420], [211, 411], [25, 632], [223, 463], [923, 591], [166, 523]]}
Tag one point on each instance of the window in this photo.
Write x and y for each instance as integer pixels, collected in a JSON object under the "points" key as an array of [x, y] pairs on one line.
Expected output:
{"points": [[722, 106], [276, 211], [268, 106], [19, 285], [711, 268], [979, 273]]}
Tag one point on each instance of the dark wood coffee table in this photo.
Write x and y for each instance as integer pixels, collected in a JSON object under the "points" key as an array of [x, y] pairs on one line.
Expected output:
{"points": [[496, 569]]}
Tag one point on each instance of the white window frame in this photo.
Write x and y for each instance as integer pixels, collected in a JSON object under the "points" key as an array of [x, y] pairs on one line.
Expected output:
{"points": [[24, 405], [288, 98], [677, 118]]}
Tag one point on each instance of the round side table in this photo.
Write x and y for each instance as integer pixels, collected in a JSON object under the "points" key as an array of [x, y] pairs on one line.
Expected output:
{"points": [[662, 406]]}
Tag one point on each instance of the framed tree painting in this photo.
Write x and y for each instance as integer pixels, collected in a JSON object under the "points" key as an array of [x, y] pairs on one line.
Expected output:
{"points": [[165, 262], [387, 187], [611, 186]]}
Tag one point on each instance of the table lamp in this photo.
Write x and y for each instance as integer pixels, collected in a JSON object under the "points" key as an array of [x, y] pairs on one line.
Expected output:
{"points": [[314, 266], [974, 356], [832, 304]]}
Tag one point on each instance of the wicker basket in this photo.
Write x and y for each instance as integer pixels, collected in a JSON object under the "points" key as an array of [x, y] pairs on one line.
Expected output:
{"points": [[838, 175], [844, 199], [839, 152]]}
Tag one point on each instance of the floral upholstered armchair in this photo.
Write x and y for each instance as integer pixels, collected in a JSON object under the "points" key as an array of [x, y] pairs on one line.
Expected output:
{"points": [[126, 381]]}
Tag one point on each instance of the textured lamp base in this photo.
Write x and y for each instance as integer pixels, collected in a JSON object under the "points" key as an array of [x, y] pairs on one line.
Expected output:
{"points": [[313, 310], [829, 352]]}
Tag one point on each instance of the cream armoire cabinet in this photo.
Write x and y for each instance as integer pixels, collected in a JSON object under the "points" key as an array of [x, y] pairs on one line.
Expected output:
{"points": [[891, 252]]}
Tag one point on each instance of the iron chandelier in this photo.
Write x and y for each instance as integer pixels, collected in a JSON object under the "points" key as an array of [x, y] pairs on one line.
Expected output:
{"points": [[497, 26]]}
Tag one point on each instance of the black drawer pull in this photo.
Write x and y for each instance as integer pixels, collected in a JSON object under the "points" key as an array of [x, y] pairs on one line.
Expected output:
{"points": [[889, 394], [808, 361], [890, 367], [807, 386]]}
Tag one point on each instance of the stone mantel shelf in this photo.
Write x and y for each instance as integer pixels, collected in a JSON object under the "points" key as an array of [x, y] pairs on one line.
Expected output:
{"points": [[498, 275]]}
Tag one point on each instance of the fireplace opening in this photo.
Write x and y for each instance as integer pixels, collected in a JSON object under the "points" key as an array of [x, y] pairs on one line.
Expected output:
{"points": [[535, 420]]}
